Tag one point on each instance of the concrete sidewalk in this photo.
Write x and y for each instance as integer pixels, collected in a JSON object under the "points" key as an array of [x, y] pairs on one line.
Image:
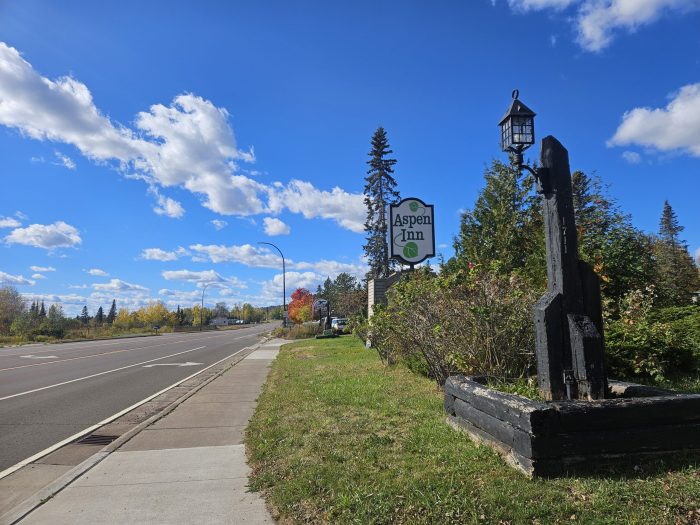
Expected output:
{"points": [[188, 467]]}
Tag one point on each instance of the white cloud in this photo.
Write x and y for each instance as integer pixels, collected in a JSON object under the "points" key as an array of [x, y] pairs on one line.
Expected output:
{"points": [[536, 5], [97, 272], [272, 290], [60, 111], [117, 285], [260, 257], [47, 236], [597, 21], [156, 254], [42, 268], [275, 226], [14, 280], [78, 286], [70, 299], [38, 276], [675, 127], [347, 209], [167, 206], [9, 222], [219, 224], [188, 144], [64, 160], [632, 157], [206, 276], [245, 254], [697, 256], [332, 268]]}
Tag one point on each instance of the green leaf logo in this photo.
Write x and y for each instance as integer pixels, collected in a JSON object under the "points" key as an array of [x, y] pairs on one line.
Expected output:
{"points": [[414, 206], [410, 251]]}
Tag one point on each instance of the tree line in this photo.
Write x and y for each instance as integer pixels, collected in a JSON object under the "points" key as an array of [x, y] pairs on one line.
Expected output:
{"points": [[33, 321]]}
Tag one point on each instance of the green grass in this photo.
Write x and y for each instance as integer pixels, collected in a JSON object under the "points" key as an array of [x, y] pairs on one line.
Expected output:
{"points": [[339, 438]]}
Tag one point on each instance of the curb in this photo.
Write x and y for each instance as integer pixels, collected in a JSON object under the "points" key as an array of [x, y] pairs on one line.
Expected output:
{"points": [[21, 510]]}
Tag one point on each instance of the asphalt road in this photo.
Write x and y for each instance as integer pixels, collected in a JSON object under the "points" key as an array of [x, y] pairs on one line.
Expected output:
{"points": [[50, 392]]}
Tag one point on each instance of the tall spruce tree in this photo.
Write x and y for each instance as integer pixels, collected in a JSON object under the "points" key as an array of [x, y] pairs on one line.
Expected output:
{"points": [[42, 310], [503, 231], [380, 191], [99, 317], [84, 316], [112, 312], [676, 274]]}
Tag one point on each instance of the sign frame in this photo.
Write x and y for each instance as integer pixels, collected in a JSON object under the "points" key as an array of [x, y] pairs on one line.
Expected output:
{"points": [[398, 256]]}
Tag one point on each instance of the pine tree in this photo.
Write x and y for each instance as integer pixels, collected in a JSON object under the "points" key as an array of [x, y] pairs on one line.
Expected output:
{"points": [[99, 317], [676, 275], [84, 316], [33, 309], [42, 310], [504, 230], [112, 312], [380, 191]]}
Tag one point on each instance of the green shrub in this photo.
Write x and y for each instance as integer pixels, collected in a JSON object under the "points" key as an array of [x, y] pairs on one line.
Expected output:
{"points": [[297, 331], [652, 344], [471, 322]]}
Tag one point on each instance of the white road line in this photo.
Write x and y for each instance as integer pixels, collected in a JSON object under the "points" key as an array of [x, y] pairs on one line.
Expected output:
{"points": [[104, 353], [98, 374], [111, 418], [101, 343]]}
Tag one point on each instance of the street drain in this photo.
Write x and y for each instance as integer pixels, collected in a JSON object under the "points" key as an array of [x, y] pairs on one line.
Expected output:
{"points": [[96, 439]]}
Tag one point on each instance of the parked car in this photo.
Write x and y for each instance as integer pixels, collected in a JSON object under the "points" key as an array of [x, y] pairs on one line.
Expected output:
{"points": [[339, 325]]}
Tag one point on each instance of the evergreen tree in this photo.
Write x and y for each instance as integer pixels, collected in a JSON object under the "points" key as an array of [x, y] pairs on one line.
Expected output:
{"points": [[112, 312], [84, 316], [42, 310], [504, 230], [33, 309], [179, 316], [99, 317], [676, 274], [619, 253], [380, 191]]}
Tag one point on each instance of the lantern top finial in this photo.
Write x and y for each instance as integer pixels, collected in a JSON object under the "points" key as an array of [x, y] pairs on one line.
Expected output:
{"points": [[516, 109]]}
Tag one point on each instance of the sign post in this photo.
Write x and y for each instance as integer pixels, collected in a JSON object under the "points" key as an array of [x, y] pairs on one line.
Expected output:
{"points": [[411, 231]]}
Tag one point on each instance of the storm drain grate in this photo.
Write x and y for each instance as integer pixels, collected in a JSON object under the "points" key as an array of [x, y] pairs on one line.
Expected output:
{"points": [[96, 439]]}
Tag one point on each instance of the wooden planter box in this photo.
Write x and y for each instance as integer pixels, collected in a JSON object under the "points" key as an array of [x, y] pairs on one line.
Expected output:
{"points": [[554, 438]]}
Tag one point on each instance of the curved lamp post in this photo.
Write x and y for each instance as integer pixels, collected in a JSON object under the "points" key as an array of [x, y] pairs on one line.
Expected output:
{"points": [[518, 134], [201, 311], [284, 283]]}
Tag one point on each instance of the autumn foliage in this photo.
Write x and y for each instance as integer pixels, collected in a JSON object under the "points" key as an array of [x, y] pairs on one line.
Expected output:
{"points": [[301, 306]]}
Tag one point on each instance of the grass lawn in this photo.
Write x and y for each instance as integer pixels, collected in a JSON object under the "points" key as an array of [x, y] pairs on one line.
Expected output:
{"points": [[339, 438]]}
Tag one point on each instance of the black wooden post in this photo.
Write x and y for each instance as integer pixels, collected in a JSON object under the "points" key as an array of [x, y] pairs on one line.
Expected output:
{"points": [[568, 318]]}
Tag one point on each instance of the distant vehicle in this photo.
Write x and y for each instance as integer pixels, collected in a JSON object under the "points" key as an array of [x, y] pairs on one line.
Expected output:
{"points": [[339, 325]]}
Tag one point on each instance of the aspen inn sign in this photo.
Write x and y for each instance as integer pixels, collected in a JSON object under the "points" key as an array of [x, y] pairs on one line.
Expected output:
{"points": [[412, 231]]}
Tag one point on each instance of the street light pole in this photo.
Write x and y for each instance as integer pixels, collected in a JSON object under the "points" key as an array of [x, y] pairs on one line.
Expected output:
{"points": [[201, 310], [284, 283]]}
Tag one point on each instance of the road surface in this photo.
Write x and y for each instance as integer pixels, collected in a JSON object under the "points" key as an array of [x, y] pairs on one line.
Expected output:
{"points": [[51, 392]]}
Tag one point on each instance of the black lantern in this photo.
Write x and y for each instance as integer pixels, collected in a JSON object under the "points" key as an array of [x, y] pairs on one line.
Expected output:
{"points": [[518, 134], [517, 126]]}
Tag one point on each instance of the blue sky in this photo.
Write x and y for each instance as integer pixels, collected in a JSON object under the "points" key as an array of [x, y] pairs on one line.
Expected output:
{"points": [[146, 147]]}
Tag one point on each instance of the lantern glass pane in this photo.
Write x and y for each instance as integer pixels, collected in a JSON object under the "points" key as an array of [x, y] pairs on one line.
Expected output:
{"points": [[522, 130], [506, 135]]}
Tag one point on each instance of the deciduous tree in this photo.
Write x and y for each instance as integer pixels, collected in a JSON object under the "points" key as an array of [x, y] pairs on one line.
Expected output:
{"points": [[299, 309]]}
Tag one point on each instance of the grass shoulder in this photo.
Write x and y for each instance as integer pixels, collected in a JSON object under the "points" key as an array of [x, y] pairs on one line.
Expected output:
{"points": [[337, 437]]}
